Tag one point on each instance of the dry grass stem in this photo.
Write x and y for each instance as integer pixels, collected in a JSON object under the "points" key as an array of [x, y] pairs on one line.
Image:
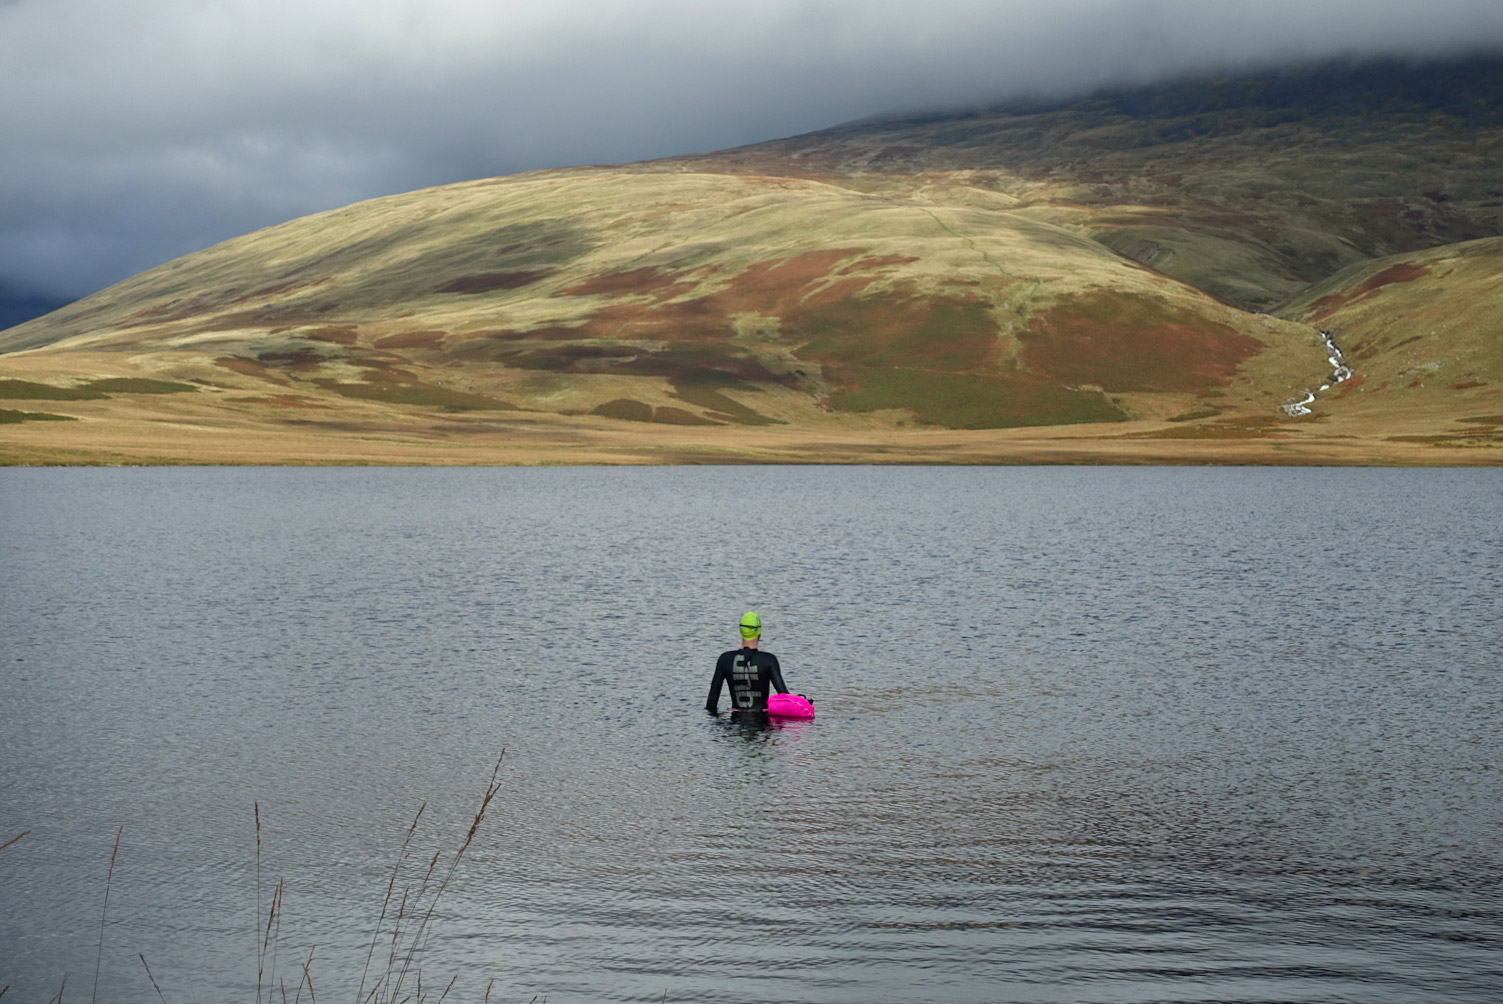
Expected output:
{"points": [[386, 902], [307, 978], [261, 949], [418, 936], [152, 978], [276, 936], [99, 955]]}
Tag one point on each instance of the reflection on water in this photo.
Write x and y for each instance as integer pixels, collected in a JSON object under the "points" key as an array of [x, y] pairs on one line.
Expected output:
{"points": [[1106, 735]]}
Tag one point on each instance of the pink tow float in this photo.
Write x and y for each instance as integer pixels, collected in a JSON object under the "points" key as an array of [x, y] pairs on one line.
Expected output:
{"points": [[790, 706]]}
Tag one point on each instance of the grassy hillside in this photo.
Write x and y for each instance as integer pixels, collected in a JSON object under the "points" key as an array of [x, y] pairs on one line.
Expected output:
{"points": [[1108, 268], [1397, 320]]}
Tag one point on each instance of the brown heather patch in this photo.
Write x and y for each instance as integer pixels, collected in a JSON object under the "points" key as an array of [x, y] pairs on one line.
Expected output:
{"points": [[1129, 343], [1351, 386], [637, 282], [939, 333], [1402, 272], [250, 368], [337, 334], [491, 281], [775, 288], [1466, 384], [296, 361], [413, 340], [282, 401]]}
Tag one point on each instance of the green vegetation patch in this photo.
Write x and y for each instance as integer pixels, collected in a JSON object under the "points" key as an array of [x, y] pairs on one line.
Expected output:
{"points": [[139, 385], [1132, 343], [638, 411], [697, 371], [942, 333], [626, 409], [421, 395], [720, 406], [699, 364], [9, 417], [1196, 415], [969, 400], [678, 416], [26, 390]]}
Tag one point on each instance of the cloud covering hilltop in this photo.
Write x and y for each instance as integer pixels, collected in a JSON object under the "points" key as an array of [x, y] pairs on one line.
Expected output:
{"points": [[138, 130]]}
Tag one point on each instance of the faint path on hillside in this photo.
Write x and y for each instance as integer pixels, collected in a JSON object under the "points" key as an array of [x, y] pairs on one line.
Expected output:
{"points": [[971, 243]]}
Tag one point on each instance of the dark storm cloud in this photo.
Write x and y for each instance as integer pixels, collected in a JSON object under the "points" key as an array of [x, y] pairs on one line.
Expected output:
{"points": [[137, 130]]}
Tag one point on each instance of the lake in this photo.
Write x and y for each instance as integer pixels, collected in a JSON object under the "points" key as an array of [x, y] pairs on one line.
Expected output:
{"points": [[1084, 734]]}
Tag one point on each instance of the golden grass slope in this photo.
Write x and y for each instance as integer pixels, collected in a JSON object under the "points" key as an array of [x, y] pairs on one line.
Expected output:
{"points": [[722, 298], [1054, 287], [1424, 333]]}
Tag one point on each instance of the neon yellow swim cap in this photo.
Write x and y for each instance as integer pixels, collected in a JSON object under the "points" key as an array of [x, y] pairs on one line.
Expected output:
{"points": [[751, 625]]}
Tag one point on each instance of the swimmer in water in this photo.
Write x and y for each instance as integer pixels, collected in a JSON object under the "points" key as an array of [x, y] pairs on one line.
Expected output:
{"points": [[749, 673]]}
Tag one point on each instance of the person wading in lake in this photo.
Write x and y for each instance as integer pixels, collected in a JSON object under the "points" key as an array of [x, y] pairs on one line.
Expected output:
{"points": [[748, 672]]}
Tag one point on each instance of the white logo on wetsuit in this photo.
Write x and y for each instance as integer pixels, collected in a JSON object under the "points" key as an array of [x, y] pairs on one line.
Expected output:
{"points": [[743, 683]]}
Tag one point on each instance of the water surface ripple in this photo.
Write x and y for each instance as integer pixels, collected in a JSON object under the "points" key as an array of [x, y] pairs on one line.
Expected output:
{"points": [[1105, 735]]}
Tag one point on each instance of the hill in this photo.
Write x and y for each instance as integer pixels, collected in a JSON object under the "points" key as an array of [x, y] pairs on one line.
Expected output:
{"points": [[1140, 275]]}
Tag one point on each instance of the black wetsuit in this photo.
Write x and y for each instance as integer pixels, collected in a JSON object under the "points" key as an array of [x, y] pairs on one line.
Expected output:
{"points": [[750, 674]]}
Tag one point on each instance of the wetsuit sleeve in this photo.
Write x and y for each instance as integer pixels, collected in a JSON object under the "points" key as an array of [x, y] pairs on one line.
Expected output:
{"points": [[775, 674], [712, 703]]}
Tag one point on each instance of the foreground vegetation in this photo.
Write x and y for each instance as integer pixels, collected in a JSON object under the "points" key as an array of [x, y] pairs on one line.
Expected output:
{"points": [[402, 929]]}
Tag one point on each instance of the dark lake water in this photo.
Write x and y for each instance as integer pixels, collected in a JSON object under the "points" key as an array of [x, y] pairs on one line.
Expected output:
{"points": [[1084, 735]]}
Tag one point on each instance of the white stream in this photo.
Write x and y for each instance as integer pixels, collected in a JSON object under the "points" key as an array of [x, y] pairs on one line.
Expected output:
{"points": [[1340, 373]]}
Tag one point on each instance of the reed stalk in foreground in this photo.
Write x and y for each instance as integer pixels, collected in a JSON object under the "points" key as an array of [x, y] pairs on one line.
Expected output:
{"points": [[392, 980], [104, 910], [407, 946], [152, 978]]}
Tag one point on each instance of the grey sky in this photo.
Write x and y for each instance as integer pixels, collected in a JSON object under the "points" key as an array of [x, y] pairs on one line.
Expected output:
{"points": [[133, 131]]}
